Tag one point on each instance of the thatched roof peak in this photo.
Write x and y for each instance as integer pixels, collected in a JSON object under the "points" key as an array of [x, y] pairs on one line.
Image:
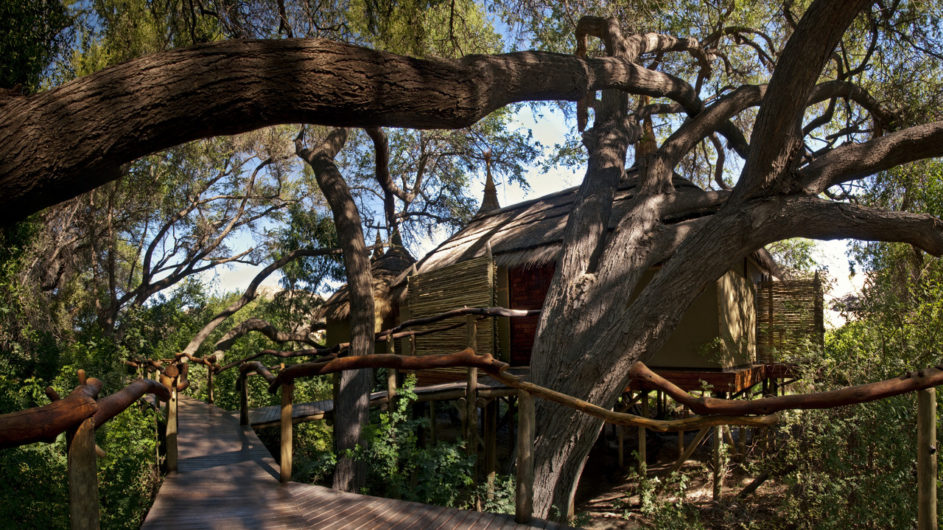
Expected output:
{"points": [[490, 200]]}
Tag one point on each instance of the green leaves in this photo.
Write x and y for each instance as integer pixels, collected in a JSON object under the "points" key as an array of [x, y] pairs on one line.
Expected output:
{"points": [[400, 468], [31, 36]]}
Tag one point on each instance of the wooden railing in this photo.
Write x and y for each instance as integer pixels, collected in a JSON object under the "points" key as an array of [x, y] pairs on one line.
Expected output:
{"points": [[77, 415], [331, 360], [713, 411]]}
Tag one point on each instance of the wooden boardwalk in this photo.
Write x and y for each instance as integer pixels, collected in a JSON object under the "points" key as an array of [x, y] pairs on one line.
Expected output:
{"points": [[227, 479]]}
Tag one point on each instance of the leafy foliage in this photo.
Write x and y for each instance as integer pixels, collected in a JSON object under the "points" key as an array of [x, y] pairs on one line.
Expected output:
{"points": [[32, 34], [400, 468]]}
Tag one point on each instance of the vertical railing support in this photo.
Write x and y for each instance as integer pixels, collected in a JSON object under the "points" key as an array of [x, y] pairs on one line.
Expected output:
{"points": [[642, 438], [716, 456], [390, 374], [524, 493], [83, 477], [172, 425], [243, 398], [471, 390], [716, 472], [286, 432], [926, 459], [83, 473], [209, 383], [491, 443]]}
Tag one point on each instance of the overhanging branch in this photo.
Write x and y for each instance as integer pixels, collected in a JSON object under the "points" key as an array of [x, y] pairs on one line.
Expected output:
{"points": [[811, 217], [236, 86], [854, 161]]}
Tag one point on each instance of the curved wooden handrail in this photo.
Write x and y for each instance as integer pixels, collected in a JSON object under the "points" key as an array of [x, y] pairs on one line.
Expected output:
{"points": [[112, 405], [483, 311], [43, 424], [259, 368], [178, 370], [909, 382], [497, 369], [464, 358], [395, 332]]}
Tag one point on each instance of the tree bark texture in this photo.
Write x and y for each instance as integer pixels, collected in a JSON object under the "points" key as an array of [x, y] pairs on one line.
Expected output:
{"points": [[352, 403], [154, 102]]}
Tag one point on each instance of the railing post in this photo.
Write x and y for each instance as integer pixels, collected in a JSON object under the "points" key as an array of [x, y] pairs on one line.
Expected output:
{"points": [[524, 494], [172, 428], [243, 398], [209, 383], [717, 460], [471, 390], [286, 432], [83, 473], [642, 438], [390, 374], [926, 459]]}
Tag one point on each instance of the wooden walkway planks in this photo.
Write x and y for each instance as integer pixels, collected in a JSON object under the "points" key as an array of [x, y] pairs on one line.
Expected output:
{"points": [[227, 479]]}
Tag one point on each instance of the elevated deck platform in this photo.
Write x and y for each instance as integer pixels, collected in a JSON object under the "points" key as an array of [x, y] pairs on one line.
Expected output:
{"points": [[728, 381], [318, 410]]}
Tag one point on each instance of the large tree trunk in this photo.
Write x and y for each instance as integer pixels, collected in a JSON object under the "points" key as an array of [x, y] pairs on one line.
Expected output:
{"points": [[591, 331], [351, 411]]}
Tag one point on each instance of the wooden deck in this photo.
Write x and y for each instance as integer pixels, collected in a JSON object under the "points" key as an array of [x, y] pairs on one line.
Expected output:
{"points": [[227, 479], [318, 410], [730, 381]]}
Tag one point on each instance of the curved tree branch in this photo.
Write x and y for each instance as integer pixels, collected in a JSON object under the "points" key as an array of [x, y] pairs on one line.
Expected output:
{"points": [[114, 116], [803, 216], [263, 327], [776, 133], [250, 294], [854, 161]]}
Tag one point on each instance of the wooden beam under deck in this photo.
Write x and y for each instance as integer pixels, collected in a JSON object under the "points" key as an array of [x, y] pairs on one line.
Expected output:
{"points": [[732, 381]]}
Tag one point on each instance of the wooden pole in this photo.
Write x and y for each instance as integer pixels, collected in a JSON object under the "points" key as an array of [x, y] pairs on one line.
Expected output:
{"points": [[433, 434], [524, 494], [715, 458], [209, 383], [718, 472], [926, 459], [491, 443], [83, 477], [172, 425], [642, 442], [243, 398], [698, 438], [286, 433], [471, 390], [620, 435], [390, 375]]}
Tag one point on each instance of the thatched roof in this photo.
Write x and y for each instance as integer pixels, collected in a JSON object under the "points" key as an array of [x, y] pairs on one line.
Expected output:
{"points": [[531, 232], [386, 268]]}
